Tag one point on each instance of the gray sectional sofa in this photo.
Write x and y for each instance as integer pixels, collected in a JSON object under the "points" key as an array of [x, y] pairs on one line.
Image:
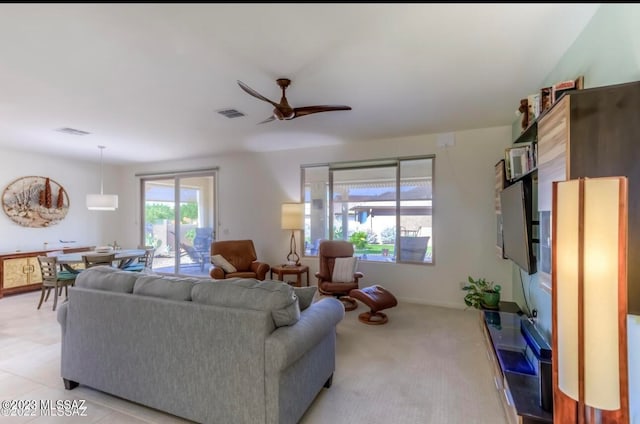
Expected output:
{"points": [[211, 351]]}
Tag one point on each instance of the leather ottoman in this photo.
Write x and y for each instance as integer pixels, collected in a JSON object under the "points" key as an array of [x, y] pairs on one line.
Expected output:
{"points": [[376, 298]]}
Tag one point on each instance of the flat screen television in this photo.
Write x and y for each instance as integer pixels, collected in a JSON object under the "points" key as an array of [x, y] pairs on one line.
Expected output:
{"points": [[517, 225]]}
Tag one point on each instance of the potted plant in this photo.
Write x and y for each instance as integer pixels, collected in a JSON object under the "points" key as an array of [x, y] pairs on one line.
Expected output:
{"points": [[482, 293]]}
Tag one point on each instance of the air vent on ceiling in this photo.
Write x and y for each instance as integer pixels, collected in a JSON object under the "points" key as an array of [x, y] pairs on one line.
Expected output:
{"points": [[72, 131], [231, 113]]}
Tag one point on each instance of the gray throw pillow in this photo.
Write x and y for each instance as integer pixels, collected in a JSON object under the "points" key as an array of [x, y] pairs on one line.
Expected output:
{"points": [[305, 296]]}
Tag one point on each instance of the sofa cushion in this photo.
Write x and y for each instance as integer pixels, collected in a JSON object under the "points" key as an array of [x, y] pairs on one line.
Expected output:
{"points": [[273, 296], [305, 296], [107, 278], [174, 288]]}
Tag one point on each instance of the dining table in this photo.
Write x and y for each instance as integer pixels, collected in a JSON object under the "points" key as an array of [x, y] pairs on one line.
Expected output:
{"points": [[122, 256]]}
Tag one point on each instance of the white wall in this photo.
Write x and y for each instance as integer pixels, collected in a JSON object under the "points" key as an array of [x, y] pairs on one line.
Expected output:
{"points": [[81, 225], [252, 187]]}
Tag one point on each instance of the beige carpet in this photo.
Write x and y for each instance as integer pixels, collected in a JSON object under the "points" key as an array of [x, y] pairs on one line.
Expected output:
{"points": [[426, 366]]}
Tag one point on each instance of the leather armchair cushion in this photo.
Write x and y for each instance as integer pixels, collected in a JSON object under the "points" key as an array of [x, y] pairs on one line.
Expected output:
{"points": [[328, 286]]}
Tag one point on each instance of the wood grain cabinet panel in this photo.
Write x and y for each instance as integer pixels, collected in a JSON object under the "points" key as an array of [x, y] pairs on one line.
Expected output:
{"points": [[20, 272], [553, 136], [593, 133]]}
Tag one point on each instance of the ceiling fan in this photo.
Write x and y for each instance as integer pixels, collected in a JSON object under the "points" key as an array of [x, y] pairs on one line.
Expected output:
{"points": [[283, 110]]}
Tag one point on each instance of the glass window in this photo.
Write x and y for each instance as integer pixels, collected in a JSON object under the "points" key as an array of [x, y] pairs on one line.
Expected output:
{"points": [[178, 221], [383, 207]]}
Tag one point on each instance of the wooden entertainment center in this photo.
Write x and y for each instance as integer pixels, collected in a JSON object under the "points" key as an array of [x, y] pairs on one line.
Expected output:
{"points": [[585, 133], [521, 359]]}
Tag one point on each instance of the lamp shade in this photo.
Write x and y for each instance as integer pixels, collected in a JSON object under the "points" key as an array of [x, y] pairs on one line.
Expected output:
{"points": [[590, 274], [293, 216], [102, 202]]}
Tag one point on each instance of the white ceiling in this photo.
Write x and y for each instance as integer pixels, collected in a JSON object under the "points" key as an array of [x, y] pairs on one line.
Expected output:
{"points": [[146, 80]]}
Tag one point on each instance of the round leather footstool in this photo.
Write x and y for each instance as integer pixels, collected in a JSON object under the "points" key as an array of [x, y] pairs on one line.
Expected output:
{"points": [[376, 298]]}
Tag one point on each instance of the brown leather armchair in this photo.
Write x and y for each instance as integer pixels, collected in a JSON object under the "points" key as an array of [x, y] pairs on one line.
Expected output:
{"points": [[242, 255], [328, 251]]}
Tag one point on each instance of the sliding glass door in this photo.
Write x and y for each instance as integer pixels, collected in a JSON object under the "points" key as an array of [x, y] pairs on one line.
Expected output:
{"points": [[178, 216]]}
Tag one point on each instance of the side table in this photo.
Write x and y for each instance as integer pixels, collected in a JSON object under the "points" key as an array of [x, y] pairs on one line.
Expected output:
{"points": [[297, 270]]}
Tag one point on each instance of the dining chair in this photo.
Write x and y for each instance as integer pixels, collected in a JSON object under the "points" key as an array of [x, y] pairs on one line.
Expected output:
{"points": [[143, 262], [97, 259], [54, 279]]}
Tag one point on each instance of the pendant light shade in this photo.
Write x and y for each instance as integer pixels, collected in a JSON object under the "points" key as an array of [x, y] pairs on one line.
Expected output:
{"points": [[102, 202]]}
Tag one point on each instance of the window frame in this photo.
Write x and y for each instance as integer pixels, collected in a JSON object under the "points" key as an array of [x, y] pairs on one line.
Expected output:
{"points": [[370, 164]]}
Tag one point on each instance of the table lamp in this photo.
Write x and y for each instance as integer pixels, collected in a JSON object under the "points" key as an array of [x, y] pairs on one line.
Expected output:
{"points": [[293, 219]]}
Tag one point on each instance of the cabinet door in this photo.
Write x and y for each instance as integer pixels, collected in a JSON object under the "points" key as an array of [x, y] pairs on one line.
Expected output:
{"points": [[553, 137], [18, 272], [15, 272], [553, 143], [35, 277]]}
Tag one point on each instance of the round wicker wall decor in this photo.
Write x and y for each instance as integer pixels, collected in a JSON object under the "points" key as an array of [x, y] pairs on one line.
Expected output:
{"points": [[35, 201]]}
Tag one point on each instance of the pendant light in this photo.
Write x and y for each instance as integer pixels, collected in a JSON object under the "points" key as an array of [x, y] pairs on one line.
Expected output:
{"points": [[102, 202]]}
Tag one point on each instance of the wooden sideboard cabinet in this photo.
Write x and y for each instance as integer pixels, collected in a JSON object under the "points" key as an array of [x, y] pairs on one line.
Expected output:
{"points": [[592, 133], [20, 271]]}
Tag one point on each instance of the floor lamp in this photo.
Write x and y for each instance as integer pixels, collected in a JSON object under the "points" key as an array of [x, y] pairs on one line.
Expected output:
{"points": [[293, 219], [589, 301]]}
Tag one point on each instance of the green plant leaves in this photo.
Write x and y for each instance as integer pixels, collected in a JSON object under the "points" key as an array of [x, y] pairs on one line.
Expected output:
{"points": [[476, 289]]}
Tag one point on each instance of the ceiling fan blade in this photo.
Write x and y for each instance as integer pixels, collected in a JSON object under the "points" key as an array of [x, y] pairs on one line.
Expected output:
{"points": [[269, 119], [254, 93], [308, 110]]}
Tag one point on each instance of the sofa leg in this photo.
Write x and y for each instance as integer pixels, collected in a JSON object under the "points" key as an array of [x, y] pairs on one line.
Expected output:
{"points": [[70, 384], [329, 381]]}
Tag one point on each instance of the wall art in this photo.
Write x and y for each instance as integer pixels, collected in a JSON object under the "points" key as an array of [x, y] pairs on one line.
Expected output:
{"points": [[35, 201]]}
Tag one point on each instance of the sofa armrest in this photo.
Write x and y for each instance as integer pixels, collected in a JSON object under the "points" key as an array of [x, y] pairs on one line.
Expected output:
{"points": [[61, 315], [216, 273], [261, 269], [287, 344]]}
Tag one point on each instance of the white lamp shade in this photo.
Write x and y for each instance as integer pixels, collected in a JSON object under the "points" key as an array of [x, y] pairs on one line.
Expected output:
{"points": [[293, 216], [102, 202], [588, 243], [566, 211]]}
